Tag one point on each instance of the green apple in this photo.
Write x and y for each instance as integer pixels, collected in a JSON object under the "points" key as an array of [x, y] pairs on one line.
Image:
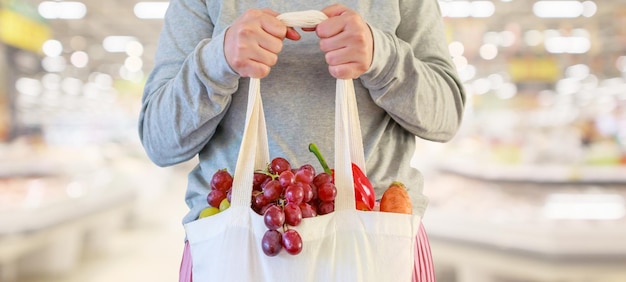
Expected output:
{"points": [[224, 204], [209, 212]]}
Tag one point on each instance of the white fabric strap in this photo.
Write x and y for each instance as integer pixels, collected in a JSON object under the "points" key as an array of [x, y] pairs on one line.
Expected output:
{"points": [[254, 151], [306, 19]]}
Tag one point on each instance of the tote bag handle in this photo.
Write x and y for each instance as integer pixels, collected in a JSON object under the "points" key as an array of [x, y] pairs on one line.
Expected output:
{"points": [[254, 151]]}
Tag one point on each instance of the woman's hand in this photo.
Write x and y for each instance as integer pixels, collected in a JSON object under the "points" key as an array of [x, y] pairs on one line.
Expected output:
{"points": [[253, 41], [347, 41]]}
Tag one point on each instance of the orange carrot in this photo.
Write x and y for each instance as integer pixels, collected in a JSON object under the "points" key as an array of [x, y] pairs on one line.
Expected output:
{"points": [[396, 199]]}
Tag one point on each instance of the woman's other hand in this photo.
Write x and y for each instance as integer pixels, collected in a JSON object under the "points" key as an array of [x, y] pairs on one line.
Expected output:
{"points": [[347, 41]]}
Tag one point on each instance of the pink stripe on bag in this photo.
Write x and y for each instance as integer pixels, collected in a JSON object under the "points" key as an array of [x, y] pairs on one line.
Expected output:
{"points": [[424, 270], [185, 265]]}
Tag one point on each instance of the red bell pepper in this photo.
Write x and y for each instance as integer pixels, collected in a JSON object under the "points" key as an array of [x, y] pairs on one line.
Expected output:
{"points": [[363, 190]]}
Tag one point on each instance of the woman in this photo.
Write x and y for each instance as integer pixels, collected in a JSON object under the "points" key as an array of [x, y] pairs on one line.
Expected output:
{"points": [[194, 102]]}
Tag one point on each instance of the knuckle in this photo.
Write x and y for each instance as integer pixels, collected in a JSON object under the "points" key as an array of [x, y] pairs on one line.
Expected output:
{"points": [[273, 59], [239, 63], [330, 59], [244, 31], [252, 14]]}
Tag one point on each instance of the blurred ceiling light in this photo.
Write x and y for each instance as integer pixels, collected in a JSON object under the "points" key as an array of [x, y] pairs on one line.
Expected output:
{"points": [[570, 45], [28, 86], [79, 59], [133, 64], [467, 73], [53, 64], [533, 37], [151, 10], [481, 86], [488, 51], [62, 10], [126, 74], [52, 48], [460, 62], [585, 206], [558, 9], [507, 91], [455, 9], [465, 9], [72, 86], [568, 86], [456, 49], [117, 44], [507, 38], [551, 33], [51, 81], [134, 49], [578, 72], [491, 37], [589, 9], [102, 80], [482, 9], [496, 81], [590, 82]]}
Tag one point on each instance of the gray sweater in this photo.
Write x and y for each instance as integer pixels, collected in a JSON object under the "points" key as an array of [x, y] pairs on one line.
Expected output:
{"points": [[194, 104]]}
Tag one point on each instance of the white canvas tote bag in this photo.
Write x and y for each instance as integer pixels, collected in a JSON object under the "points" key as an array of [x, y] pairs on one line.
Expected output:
{"points": [[345, 245]]}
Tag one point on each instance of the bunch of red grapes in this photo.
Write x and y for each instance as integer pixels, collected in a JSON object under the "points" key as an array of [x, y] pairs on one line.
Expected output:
{"points": [[283, 196]]}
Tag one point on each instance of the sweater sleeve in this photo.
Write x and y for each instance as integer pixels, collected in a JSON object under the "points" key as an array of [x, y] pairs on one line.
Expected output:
{"points": [[190, 87], [412, 75]]}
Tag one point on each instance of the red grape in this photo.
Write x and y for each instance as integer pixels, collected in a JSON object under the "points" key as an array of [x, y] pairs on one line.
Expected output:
{"points": [[222, 180], [322, 178], [272, 243], [215, 197], [286, 178], [278, 165], [293, 214], [307, 189], [294, 193], [326, 192], [264, 208], [307, 210], [325, 208], [272, 190], [274, 217], [260, 201], [258, 180], [292, 242], [305, 175], [309, 168]]}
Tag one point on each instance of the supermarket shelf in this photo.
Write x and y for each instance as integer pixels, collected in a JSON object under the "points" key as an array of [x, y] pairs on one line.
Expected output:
{"points": [[28, 220], [552, 241], [540, 173], [520, 217], [48, 237]]}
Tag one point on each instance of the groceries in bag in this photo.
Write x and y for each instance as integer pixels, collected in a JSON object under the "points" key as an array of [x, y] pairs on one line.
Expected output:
{"points": [[284, 195]]}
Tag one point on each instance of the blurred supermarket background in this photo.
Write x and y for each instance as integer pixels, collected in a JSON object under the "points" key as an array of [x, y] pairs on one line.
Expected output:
{"points": [[533, 188]]}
